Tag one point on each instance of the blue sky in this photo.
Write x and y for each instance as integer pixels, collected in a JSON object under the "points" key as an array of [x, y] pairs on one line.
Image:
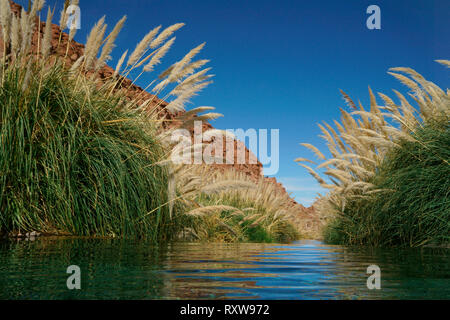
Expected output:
{"points": [[280, 64]]}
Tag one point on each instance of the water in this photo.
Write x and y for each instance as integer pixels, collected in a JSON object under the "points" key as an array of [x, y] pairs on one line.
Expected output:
{"points": [[118, 269]]}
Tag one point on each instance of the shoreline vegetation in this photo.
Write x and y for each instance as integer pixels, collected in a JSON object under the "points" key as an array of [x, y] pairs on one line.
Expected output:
{"points": [[79, 157], [388, 169]]}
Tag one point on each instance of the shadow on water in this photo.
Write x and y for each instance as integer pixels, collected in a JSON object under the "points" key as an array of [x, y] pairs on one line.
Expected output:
{"points": [[124, 269]]}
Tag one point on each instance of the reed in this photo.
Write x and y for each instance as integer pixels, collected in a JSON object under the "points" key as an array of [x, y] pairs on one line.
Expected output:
{"points": [[384, 166]]}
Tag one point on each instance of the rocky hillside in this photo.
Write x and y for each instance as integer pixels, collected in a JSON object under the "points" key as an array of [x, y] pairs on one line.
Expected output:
{"points": [[252, 167]]}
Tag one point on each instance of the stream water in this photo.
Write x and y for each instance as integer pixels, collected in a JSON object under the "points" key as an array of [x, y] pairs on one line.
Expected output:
{"points": [[123, 269]]}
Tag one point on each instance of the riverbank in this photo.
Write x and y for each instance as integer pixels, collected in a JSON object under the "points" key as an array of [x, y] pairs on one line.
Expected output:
{"points": [[89, 154]]}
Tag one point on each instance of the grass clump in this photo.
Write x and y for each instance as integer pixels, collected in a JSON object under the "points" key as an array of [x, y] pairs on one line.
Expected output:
{"points": [[247, 222], [78, 154], [68, 165], [389, 169], [85, 152]]}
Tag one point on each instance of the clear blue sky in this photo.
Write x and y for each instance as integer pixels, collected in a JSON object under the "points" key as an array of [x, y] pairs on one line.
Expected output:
{"points": [[280, 64]]}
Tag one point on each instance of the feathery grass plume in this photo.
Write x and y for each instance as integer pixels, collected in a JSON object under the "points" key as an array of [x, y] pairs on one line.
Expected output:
{"points": [[190, 81], [313, 173], [35, 8], [314, 149], [94, 41], [47, 38], [334, 161], [406, 81], [142, 46], [5, 20], [26, 78], [358, 157], [187, 71], [120, 62], [193, 112], [156, 58], [360, 185], [77, 64], [337, 138], [348, 100], [251, 217], [64, 16], [177, 104], [109, 45], [160, 86], [444, 62], [257, 222], [226, 185], [166, 72], [204, 117], [304, 160], [143, 60], [72, 33], [166, 33], [15, 35], [210, 209], [26, 32]]}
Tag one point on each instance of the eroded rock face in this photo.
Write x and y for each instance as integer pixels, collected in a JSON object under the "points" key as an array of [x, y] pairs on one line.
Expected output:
{"points": [[252, 167]]}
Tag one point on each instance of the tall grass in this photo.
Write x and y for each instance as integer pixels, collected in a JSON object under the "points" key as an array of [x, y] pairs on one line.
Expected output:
{"points": [[388, 173], [414, 209], [231, 207], [79, 156], [76, 156], [65, 168]]}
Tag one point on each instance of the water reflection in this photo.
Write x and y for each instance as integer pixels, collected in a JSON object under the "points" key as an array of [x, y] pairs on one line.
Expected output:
{"points": [[119, 269]]}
